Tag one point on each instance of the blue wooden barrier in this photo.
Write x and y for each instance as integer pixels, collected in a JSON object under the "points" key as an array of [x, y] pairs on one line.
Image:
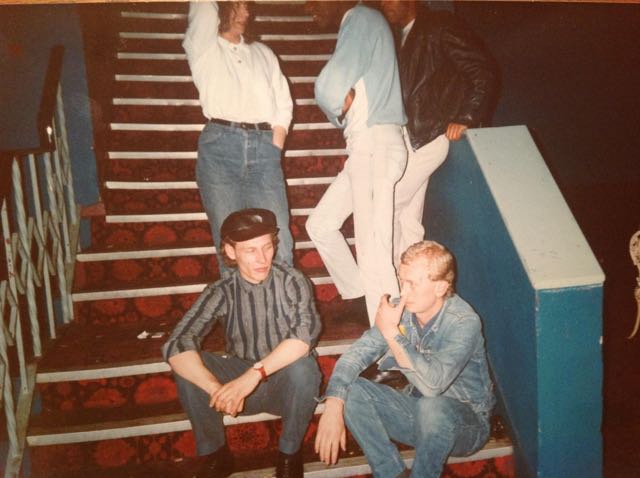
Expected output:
{"points": [[526, 267]]}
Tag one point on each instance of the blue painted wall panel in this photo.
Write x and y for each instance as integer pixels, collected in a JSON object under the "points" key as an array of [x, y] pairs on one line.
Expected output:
{"points": [[460, 212], [570, 377], [543, 345]]}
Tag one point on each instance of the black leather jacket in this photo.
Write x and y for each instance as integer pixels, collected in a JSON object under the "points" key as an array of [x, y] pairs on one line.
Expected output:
{"points": [[447, 76]]}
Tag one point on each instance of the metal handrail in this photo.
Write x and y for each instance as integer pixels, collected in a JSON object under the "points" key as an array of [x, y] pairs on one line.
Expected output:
{"points": [[38, 217]]}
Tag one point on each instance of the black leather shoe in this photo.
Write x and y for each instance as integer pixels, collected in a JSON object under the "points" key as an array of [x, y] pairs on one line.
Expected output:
{"points": [[218, 464], [393, 378], [289, 466]]}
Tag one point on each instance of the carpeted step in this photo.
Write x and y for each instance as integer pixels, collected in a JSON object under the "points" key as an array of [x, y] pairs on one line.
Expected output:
{"points": [[170, 169], [80, 403], [179, 197], [162, 267], [318, 44], [166, 299], [125, 88], [187, 141], [178, 111], [157, 89], [92, 352], [131, 232], [265, 21], [168, 438], [492, 463], [275, 8], [254, 445], [152, 170], [177, 65]]}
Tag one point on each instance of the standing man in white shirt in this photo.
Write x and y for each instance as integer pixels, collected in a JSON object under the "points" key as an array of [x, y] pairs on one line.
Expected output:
{"points": [[246, 99]]}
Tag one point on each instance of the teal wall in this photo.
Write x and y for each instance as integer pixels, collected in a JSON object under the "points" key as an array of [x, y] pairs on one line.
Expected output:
{"points": [[544, 344]]}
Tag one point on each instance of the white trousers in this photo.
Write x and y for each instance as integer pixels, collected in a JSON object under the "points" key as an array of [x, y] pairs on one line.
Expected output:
{"points": [[365, 187], [411, 190]]}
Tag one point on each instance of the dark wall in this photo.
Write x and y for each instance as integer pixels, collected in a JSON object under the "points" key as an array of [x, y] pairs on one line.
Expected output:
{"points": [[27, 33], [571, 72]]}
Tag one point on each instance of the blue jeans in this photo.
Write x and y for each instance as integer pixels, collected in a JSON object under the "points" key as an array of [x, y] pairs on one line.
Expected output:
{"points": [[237, 169], [290, 393], [435, 426]]}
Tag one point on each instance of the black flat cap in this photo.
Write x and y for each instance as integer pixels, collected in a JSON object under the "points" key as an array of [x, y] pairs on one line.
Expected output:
{"points": [[248, 223]]}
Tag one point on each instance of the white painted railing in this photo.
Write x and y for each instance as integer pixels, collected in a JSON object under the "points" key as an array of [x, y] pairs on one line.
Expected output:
{"points": [[38, 219]]}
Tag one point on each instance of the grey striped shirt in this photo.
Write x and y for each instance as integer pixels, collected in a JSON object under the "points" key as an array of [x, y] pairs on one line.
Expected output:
{"points": [[255, 317]]}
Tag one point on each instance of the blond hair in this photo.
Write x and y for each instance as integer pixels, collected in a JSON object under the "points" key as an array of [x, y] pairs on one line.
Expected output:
{"points": [[441, 265]]}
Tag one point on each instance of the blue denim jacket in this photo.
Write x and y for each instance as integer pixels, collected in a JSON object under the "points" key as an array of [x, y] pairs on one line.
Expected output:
{"points": [[450, 360]]}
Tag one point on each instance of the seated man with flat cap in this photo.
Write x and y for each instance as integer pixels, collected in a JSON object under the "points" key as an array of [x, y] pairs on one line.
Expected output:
{"points": [[271, 325]]}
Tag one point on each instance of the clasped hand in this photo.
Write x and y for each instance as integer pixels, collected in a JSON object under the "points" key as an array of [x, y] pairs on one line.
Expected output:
{"points": [[229, 398]]}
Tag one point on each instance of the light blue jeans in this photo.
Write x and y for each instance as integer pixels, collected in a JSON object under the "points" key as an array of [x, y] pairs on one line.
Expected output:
{"points": [[289, 392], [435, 426], [238, 169]]}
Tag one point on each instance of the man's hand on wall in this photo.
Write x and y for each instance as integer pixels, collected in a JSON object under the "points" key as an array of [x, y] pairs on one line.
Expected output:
{"points": [[454, 131]]}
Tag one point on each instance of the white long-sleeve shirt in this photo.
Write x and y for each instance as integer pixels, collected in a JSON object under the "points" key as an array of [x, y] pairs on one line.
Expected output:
{"points": [[236, 82]]}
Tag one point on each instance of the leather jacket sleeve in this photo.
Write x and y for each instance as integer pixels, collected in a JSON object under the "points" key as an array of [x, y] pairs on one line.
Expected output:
{"points": [[474, 65], [447, 77]]}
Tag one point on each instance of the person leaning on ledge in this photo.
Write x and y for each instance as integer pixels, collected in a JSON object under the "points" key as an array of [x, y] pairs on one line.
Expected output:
{"points": [[271, 325]]}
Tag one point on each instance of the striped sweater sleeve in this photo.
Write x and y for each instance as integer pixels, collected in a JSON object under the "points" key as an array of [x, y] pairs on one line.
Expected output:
{"points": [[197, 322]]}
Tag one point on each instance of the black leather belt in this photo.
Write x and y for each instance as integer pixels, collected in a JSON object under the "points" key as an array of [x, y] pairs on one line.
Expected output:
{"points": [[234, 124]]}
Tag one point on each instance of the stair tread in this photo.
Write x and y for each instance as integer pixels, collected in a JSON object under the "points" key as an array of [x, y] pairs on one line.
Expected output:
{"points": [[169, 413], [184, 169], [179, 246], [151, 89], [91, 347], [350, 464], [145, 233], [159, 199], [192, 113], [266, 8], [112, 284], [135, 66], [188, 140]]}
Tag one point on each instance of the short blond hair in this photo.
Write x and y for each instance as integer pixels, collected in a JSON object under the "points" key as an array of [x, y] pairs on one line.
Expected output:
{"points": [[441, 265]]}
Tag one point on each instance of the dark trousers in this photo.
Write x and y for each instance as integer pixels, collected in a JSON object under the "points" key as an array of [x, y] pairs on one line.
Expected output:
{"points": [[290, 393]]}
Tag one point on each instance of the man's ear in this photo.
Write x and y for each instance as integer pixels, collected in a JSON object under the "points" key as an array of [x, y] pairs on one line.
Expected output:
{"points": [[230, 251], [442, 286]]}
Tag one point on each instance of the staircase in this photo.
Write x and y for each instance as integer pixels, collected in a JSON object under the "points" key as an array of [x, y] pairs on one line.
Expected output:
{"points": [[106, 403]]}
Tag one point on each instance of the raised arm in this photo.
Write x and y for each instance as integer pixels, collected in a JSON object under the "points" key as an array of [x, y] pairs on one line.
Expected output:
{"points": [[201, 38]]}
